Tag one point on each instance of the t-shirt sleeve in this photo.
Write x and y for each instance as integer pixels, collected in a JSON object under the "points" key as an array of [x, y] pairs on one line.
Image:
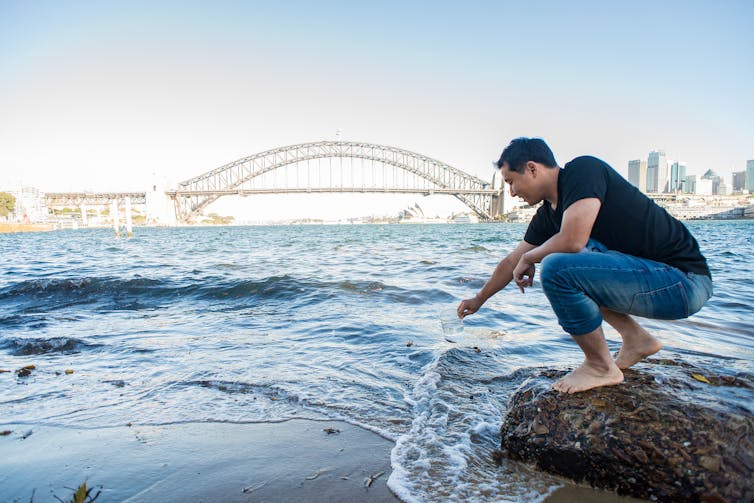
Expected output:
{"points": [[586, 178], [540, 228]]}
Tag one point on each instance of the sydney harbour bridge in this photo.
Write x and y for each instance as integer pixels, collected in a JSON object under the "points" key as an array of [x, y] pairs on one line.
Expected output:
{"points": [[318, 167]]}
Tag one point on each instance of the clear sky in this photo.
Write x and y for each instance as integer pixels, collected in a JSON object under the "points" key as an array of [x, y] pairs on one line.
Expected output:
{"points": [[99, 95]]}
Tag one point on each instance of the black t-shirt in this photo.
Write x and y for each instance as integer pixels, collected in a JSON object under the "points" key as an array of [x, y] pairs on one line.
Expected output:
{"points": [[628, 221]]}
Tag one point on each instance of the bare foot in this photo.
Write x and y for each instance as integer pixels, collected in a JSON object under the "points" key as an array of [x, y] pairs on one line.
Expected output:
{"points": [[589, 376], [636, 349], [637, 342]]}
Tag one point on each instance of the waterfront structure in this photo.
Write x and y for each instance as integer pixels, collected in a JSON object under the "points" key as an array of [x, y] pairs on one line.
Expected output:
{"points": [[637, 174], [750, 176], [657, 172], [30, 204], [159, 207], [677, 177]]}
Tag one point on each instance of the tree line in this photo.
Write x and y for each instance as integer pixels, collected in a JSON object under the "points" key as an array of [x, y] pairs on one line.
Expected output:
{"points": [[7, 204]]}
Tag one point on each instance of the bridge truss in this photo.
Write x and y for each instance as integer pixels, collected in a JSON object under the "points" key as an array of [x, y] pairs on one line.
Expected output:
{"points": [[318, 167]]}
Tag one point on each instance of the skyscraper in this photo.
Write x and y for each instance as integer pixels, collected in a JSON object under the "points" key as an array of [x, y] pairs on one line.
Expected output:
{"points": [[677, 177], [637, 174], [690, 184], [739, 181], [714, 179], [657, 172], [749, 176]]}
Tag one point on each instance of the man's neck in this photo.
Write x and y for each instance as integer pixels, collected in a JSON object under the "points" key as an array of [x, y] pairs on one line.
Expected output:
{"points": [[551, 196]]}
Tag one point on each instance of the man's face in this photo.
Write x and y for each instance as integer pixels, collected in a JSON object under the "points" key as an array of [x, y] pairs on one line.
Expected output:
{"points": [[523, 185]]}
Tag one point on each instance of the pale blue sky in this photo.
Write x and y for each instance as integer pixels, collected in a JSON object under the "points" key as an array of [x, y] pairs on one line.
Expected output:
{"points": [[99, 95]]}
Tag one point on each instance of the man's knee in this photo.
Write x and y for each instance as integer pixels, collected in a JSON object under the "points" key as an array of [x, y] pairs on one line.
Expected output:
{"points": [[552, 267]]}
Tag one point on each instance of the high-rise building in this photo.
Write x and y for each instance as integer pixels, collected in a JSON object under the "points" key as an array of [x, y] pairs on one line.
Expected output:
{"points": [[704, 187], [690, 184], [637, 174], [749, 176], [714, 179], [739, 181], [677, 177], [657, 172]]}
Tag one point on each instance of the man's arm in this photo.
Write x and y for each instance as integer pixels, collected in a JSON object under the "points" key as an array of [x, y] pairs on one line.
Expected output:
{"points": [[501, 276], [578, 220]]}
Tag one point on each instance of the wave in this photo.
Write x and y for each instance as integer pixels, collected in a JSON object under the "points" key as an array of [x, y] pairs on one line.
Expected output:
{"points": [[25, 347], [132, 293]]}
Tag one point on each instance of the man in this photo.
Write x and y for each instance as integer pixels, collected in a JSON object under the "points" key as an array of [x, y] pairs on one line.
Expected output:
{"points": [[607, 251]]}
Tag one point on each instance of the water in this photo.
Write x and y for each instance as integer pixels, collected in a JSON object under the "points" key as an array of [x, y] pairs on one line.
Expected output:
{"points": [[246, 324]]}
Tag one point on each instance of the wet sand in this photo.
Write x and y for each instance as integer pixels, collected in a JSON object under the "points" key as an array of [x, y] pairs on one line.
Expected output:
{"points": [[290, 461], [294, 461]]}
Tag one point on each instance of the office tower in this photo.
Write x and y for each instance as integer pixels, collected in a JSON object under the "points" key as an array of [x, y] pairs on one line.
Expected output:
{"points": [[749, 176], [690, 184], [637, 174], [703, 187], [657, 171], [677, 177], [739, 181], [714, 179]]}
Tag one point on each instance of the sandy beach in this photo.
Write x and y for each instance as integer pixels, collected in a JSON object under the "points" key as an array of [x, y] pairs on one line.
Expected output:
{"points": [[296, 460]]}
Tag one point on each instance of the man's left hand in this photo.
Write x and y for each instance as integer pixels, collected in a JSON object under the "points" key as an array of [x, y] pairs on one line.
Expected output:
{"points": [[523, 274]]}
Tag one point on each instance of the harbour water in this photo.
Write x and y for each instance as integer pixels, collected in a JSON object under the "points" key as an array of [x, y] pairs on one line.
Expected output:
{"points": [[259, 324]]}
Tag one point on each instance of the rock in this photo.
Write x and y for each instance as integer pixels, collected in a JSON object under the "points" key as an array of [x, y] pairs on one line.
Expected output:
{"points": [[669, 439]]}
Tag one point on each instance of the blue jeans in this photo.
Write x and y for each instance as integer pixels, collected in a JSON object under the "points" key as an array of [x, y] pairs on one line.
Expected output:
{"points": [[579, 284]]}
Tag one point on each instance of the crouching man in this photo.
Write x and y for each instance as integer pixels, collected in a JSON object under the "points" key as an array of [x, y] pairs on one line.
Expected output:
{"points": [[606, 250]]}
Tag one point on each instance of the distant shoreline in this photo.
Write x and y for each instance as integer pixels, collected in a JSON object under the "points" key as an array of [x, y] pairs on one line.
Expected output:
{"points": [[14, 227], [7, 228]]}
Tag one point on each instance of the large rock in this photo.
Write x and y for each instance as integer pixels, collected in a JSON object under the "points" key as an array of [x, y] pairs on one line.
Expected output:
{"points": [[678, 435]]}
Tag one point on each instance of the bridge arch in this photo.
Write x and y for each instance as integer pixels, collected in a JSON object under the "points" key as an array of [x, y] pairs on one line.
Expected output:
{"points": [[427, 176]]}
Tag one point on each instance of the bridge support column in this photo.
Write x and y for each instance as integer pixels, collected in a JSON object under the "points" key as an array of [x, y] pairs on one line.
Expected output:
{"points": [[496, 206], [84, 221], [129, 224], [114, 215]]}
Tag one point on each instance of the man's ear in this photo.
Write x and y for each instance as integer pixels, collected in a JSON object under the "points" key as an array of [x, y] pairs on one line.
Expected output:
{"points": [[531, 166]]}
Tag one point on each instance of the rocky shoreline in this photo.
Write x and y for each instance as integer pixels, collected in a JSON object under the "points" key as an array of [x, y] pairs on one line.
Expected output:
{"points": [[670, 432]]}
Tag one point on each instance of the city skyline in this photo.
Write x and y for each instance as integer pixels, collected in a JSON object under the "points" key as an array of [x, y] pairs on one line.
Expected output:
{"points": [[101, 95]]}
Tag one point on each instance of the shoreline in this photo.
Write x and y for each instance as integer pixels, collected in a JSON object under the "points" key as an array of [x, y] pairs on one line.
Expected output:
{"points": [[6, 228], [291, 460]]}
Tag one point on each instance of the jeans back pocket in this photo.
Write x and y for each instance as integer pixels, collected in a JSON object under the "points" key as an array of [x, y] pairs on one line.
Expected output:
{"points": [[668, 303]]}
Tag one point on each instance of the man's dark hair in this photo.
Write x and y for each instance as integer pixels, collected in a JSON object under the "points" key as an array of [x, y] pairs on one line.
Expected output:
{"points": [[522, 150]]}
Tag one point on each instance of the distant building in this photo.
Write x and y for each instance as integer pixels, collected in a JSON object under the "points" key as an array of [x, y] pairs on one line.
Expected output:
{"points": [[677, 177], [739, 181], [690, 184], [30, 205], [657, 172], [712, 176], [723, 189], [749, 176], [637, 174], [703, 187]]}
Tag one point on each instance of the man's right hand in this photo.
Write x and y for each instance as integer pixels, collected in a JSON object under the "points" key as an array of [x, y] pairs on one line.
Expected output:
{"points": [[469, 306]]}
